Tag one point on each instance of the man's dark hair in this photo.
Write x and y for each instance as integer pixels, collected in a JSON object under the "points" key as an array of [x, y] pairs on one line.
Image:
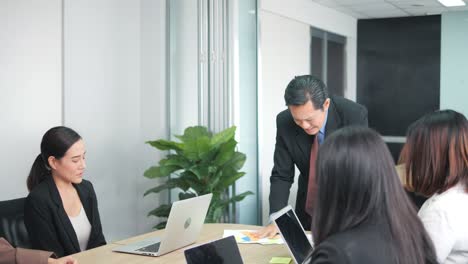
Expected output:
{"points": [[304, 88]]}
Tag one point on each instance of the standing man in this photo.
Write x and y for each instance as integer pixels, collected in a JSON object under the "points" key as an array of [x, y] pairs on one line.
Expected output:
{"points": [[311, 116]]}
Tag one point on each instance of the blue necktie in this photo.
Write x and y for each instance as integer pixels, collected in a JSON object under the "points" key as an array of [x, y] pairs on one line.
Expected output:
{"points": [[321, 137]]}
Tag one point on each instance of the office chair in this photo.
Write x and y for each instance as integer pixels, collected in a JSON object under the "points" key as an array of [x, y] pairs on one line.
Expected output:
{"points": [[12, 226]]}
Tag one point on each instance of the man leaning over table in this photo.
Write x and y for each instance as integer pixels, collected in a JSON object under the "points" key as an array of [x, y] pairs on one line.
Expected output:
{"points": [[311, 116]]}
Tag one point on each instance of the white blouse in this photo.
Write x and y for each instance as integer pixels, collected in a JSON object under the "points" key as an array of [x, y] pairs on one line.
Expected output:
{"points": [[445, 217], [82, 228]]}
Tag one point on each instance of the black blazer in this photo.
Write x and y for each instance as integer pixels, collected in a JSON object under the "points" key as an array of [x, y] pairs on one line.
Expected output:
{"points": [[366, 244], [48, 224], [293, 147]]}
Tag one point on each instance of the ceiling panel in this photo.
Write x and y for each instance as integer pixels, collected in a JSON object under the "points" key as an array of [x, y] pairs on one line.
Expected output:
{"points": [[424, 2], [384, 13], [351, 12], [388, 8], [425, 11], [458, 8], [356, 2], [373, 6], [328, 3], [416, 3]]}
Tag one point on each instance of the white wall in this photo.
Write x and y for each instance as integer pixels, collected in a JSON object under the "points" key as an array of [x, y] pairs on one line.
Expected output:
{"points": [[30, 86], [325, 18], [153, 104], [115, 104], [454, 65], [285, 52], [114, 91]]}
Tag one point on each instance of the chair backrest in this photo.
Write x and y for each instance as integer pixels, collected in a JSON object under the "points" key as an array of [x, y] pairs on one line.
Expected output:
{"points": [[12, 226]]}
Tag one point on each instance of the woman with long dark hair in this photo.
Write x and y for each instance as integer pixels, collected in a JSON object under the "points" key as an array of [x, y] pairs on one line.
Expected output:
{"points": [[362, 213], [436, 162], [61, 212]]}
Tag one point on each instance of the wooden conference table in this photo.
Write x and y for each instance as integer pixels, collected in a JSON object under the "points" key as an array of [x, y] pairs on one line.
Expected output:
{"points": [[251, 253]]}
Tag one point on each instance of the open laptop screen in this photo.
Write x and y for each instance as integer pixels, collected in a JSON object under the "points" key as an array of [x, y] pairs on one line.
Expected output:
{"points": [[293, 234], [222, 251]]}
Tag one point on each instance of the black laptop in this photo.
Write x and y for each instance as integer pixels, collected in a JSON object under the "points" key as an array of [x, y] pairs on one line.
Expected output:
{"points": [[222, 251], [293, 233]]}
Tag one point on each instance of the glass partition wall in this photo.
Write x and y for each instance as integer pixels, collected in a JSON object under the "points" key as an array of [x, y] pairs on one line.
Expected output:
{"points": [[212, 72]]}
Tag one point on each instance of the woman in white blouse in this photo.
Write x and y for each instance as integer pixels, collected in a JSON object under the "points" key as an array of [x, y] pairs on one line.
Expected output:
{"points": [[436, 161]]}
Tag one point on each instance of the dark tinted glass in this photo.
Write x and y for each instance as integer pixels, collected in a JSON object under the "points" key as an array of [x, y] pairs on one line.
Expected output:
{"points": [[294, 235], [335, 70], [398, 70], [222, 251], [317, 57]]}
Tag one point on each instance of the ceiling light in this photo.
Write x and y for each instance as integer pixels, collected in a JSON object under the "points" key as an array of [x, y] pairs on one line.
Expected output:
{"points": [[450, 3]]}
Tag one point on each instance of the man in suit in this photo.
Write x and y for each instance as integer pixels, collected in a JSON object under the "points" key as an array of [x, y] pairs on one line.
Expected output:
{"points": [[311, 116]]}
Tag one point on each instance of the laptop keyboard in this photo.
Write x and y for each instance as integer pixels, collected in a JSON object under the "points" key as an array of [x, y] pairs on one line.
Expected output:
{"points": [[151, 248]]}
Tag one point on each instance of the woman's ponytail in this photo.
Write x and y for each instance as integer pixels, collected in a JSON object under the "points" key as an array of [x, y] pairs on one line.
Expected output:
{"points": [[55, 142], [39, 172]]}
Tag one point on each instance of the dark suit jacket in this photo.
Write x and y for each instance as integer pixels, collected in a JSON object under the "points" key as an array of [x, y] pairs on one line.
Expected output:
{"points": [[293, 147], [366, 244], [48, 224]]}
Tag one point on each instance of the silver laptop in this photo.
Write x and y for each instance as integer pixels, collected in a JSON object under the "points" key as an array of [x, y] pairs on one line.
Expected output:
{"points": [[293, 233], [183, 227]]}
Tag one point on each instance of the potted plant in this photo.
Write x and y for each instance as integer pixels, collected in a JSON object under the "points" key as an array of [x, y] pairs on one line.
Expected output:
{"points": [[202, 162]]}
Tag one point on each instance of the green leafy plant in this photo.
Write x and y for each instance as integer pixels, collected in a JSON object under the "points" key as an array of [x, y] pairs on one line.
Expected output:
{"points": [[201, 163]]}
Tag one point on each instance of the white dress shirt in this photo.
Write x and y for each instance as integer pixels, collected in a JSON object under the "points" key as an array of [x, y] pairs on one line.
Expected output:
{"points": [[445, 217], [82, 228]]}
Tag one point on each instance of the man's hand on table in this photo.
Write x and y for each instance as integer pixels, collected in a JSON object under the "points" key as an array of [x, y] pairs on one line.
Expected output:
{"points": [[268, 231]]}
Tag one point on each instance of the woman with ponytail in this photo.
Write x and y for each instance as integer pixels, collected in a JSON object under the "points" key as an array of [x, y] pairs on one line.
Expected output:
{"points": [[61, 212]]}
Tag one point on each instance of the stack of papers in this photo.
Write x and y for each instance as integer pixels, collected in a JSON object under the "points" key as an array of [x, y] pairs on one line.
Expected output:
{"points": [[251, 237]]}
